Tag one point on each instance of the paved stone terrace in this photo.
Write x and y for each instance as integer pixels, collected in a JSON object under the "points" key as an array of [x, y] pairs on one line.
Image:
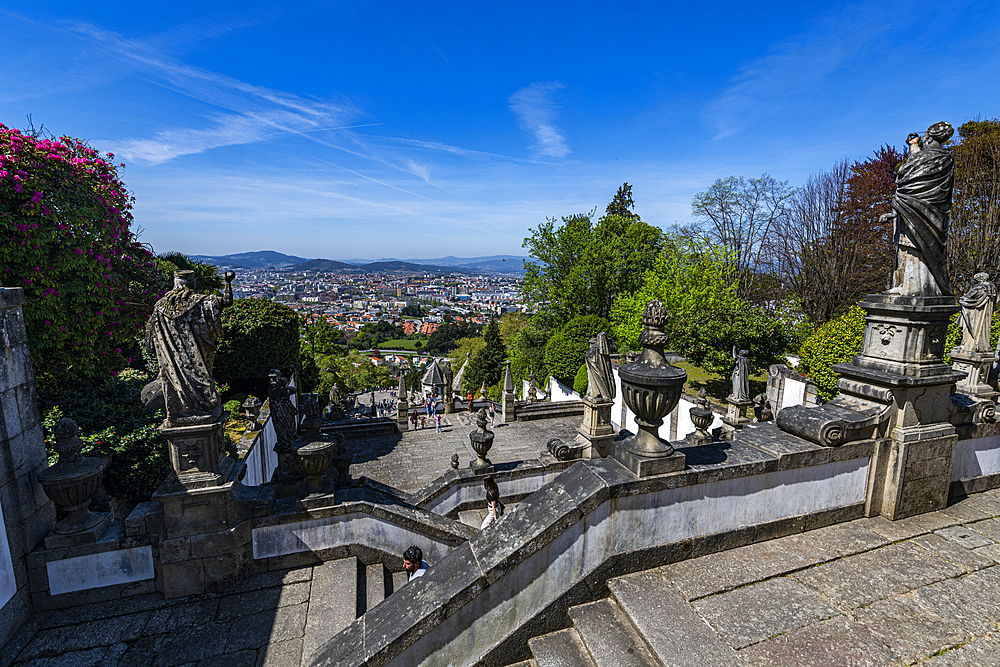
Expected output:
{"points": [[924, 590], [416, 458]]}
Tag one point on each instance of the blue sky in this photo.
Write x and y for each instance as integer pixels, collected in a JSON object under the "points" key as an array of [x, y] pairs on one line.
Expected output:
{"points": [[422, 129]]}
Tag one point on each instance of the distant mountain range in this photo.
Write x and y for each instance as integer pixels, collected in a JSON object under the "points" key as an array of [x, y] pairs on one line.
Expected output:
{"points": [[269, 259]]}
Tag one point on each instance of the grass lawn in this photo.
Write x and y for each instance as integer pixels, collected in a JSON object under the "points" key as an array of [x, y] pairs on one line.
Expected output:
{"points": [[401, 344], [716, 386]]}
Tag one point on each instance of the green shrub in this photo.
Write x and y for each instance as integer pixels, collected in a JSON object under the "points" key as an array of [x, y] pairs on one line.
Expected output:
{"points": [[113, 421], [707, 338], [835, 342], [566, 350], [258, 335], [487, 366], [580, 383]]}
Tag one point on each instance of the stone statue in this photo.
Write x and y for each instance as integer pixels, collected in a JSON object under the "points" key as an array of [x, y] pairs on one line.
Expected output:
{"points": [[337, 410], [183, 331], [977, 314], [741, 376], [920, 210], [533, 388], [282, 411], [446, 373], [600, 380]]}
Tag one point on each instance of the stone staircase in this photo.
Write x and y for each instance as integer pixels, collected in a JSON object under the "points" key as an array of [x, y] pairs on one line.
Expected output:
{"points": [[343, 590], [645, 623]]}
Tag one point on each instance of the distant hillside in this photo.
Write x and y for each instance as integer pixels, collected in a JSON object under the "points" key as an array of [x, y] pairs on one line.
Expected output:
{"points": [[323, 265], [409, 267], [260, 259], [269, 259]]}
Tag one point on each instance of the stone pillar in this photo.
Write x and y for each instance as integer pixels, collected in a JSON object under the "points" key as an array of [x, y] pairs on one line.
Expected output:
{"points": [[736, 415], [976, 366], [507, 398], [26, 514], [596, 431], [901, 362]]}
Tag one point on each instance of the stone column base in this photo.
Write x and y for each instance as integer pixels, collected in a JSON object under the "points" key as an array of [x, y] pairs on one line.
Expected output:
{"points": [[507, 413], [196, 453], [907, 478], [596, 433]]}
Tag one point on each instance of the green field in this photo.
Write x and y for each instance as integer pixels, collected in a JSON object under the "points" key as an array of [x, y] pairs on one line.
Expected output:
{"points": [[401, 344]]}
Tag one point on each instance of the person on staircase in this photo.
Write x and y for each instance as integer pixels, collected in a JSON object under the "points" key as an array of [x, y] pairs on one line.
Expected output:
{"points": [[493, 505], [414, 563]]}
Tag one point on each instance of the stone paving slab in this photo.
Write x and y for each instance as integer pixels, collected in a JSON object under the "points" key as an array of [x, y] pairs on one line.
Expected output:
{"points": [[982, 652], [837, 642], [760, 611], [910, 631]]}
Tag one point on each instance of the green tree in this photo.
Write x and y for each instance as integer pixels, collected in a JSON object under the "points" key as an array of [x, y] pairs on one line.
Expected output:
{"points": [[467, 347], [709, 339], [738, 214], [580, 266], [689, 277], [974, 230], [357, 371], [258, 335], [527, 354], [66, 238], [565, 351], [489, 363]]}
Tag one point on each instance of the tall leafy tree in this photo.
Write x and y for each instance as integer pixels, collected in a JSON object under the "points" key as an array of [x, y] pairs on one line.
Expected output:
{"points": [[737, 214], [974, 232], [487, 366], [581, 266]]}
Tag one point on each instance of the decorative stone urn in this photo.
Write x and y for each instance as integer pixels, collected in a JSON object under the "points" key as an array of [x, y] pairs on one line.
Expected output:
{"points": [[701, 417], [313, 459], [251, 408], [651, 386], [482, 441], [72, 481]]}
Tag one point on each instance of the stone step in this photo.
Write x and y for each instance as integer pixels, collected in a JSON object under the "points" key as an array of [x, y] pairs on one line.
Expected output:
{"points": [[333, 601], [525, 663], [560, 649], [472, 518], [610, 638], [399, 580], [378, 585], [669, 625]]}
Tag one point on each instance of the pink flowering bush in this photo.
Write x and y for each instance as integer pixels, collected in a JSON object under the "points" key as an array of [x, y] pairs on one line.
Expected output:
{"points": [[66, 238]]}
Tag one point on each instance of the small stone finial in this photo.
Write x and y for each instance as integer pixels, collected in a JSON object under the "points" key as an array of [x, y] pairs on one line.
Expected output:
{"points": [[67, 443], [454, 461], [508, 380]]}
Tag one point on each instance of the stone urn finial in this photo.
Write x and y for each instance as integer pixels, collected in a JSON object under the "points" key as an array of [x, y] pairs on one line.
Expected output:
{"points": [[72, 481], [251, 408], [651, 386], [482, 441], [701, 417]]}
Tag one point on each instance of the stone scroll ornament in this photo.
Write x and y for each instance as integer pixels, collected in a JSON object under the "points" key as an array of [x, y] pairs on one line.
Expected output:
{"points": [[183, 332], [977, 314], [600, 379], [920, 210]]}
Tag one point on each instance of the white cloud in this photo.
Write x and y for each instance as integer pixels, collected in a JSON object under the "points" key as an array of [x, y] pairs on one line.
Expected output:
{"points": [[536, 113]]}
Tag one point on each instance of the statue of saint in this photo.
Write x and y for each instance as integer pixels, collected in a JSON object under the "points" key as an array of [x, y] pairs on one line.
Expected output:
{"points": [[183, 331], [600, 379], [282, 411], [741, 376], [920, 210], [977, 314]]}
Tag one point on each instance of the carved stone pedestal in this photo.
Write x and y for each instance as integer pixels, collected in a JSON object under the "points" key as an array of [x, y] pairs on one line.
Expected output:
{"points": [[596, 432], [977, 366], [196, 453], [736, 415], [507, 410]]}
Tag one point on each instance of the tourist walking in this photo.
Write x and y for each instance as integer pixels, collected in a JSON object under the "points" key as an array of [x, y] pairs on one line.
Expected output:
{"points": [[493, 505], [493, 413], [414, 563], [437, 419]]}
